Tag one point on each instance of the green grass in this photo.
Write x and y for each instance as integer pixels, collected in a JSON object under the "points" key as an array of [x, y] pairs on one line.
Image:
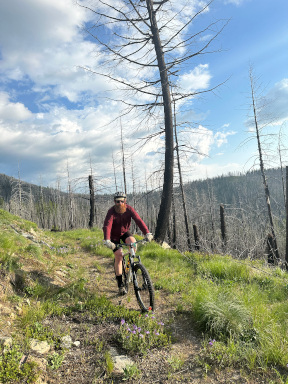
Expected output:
{"points": [[240, 308], [244, 309]]}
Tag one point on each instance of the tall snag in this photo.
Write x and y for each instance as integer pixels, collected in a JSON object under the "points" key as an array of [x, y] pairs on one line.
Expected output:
{"points": [[262, 168], [144, 44]]}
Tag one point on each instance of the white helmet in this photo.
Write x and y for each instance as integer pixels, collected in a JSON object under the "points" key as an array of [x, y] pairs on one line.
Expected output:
{"points": [[119, 195]]}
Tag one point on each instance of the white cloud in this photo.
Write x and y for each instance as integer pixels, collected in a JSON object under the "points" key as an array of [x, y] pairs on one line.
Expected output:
{"points": [[221, 137], [196, 79], [273, 110], [12, 112], [45, 43]]}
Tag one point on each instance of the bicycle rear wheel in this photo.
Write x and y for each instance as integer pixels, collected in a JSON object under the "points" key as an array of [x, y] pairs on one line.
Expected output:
{"points": [[125, 275], [143, 287]]}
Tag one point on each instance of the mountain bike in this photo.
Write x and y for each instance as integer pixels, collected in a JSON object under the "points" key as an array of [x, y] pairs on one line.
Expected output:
{"points": [[133, 270]]}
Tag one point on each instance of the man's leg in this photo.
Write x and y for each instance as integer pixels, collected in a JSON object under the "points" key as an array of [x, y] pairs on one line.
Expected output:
{"points": [[118, 262], [118, 271], [131, 239]]}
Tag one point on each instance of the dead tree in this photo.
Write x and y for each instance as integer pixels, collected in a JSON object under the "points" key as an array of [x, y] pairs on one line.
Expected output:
{"points": [[286, 253], [196, 237], [223, 227], [148, 36], [123, 160], [92, 201], [188, 239], [262, 168]]}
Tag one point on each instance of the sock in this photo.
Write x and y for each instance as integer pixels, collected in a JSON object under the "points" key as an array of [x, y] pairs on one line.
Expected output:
{"points": [[119, 280]]}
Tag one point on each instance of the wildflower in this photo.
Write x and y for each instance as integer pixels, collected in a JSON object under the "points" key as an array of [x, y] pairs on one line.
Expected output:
{"points": [[146, 315], [147, 333], [140, 334], [122, 321], [160, 323], [139, 329], [152, 317], [149, 309], [128, 329], [135, 326], [134, 332]]}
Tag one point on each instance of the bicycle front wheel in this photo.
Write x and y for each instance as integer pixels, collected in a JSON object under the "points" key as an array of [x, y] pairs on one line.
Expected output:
{"points": [[125, 275], [143, 287]]}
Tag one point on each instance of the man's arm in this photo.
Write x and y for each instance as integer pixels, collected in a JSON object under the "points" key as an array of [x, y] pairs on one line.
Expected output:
{"points": [[107, 226], [135, 216]]}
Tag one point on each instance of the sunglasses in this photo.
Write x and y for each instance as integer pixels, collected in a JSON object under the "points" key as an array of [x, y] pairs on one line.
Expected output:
{"points": [[119, 201]]}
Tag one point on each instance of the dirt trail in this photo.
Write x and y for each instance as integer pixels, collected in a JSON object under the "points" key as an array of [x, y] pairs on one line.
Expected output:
{"points": [[157, 366]]}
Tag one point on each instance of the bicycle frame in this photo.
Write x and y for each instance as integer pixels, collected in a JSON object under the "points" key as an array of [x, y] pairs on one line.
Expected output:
{"points": [[132, 256], [134, 271]]}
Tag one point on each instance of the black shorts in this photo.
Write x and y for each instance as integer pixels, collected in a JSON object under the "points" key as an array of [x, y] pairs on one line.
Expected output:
{"points": [[123, 238]]}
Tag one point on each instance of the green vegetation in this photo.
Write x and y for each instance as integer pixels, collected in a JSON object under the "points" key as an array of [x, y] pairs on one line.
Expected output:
{"points": [[240, 308], [11, 369]]}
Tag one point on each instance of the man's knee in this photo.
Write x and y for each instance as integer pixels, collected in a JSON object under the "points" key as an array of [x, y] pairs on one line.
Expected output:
{"points": [[118, 255], [130, 239]]}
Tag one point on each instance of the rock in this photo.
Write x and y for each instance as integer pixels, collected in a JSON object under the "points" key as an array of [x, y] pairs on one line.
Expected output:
{"points": [[165, 245], [76, 344], [41, 368], [5, 310], [120, 361], [66, 342], [41, 347], [6, 342]]}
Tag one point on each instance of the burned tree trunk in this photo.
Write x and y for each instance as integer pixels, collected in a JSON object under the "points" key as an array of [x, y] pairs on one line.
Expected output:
{"points": [[223, 227], [266, 189], [196, 237], [92, 201]]}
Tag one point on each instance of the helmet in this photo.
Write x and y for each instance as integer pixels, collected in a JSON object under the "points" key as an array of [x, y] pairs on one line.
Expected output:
{"points": [[119, 195]]}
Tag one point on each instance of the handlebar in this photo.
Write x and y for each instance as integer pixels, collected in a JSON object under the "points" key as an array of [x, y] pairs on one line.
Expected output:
{"points": [[131, 244]]}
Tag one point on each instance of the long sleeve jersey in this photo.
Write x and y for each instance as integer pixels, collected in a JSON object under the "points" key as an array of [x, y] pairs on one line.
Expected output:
{"points": [[116, 224]]}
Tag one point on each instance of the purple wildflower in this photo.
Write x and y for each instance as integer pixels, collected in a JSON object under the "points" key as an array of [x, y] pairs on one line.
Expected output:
{"points": [[147, 332], [134, 332], [140, 334], [122, 321]]}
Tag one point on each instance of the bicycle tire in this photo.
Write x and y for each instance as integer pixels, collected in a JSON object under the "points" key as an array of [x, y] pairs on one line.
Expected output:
{"points": [[125, 275], [143, 287]]}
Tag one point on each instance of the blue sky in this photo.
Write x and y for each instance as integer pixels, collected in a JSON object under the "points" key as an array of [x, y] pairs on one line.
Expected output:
{"points": [[54, 116]]}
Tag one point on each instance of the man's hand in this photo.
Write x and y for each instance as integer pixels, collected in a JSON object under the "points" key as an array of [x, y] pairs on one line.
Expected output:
{"points": [[149, 237], [109, 244]]}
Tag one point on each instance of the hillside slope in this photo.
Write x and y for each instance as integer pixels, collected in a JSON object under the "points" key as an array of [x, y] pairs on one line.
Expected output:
{"points": [[58, 293]]}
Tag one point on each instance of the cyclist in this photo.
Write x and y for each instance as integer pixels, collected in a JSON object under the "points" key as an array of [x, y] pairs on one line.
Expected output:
{"points": [[116, 227]]}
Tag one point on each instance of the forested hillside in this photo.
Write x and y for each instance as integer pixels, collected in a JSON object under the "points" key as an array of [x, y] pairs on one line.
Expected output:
{"points": [[242, 198]]}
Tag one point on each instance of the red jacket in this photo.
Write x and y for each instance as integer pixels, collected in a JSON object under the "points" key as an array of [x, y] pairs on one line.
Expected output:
{"points": [[116, 224]]}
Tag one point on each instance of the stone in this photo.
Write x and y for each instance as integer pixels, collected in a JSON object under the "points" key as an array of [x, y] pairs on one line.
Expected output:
{"points": [[76, 344], [6, 342], [165, 245], [66, 342], [120, 361], [41, 347]]}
